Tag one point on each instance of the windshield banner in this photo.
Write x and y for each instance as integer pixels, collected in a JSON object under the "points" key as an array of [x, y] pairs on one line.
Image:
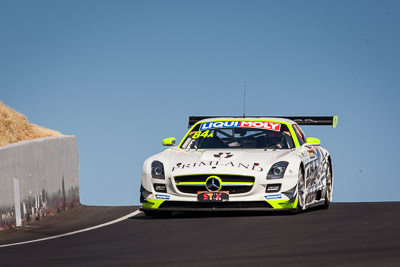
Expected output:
{"points": [[248, 124]]}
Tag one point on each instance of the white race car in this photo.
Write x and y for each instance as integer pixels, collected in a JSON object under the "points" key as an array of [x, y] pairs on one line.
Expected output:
{"points": [[233, 163]]}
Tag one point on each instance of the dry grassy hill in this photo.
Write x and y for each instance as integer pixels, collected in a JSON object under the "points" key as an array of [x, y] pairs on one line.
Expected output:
{"points": [[14, 127]]}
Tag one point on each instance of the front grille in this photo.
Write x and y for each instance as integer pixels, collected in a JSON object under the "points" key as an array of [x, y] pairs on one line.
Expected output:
{"points": [[225, 178], [214, 205], [193, 189]]}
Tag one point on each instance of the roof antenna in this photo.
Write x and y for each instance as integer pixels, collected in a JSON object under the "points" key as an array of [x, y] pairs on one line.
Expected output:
{"points": [[244, 99]]}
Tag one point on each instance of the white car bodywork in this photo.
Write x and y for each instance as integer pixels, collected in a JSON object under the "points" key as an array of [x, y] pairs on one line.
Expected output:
{"points": [[173, 194]]}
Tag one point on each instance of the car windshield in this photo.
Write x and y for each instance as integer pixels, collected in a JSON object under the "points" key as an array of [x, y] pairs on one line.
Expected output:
{"points": [[239, 134]]}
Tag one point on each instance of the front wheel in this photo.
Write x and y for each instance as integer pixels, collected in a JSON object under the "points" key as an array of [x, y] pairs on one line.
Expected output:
{"points": [[301, 191]]}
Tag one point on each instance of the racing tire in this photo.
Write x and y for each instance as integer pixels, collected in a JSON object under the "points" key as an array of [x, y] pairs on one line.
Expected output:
{"points": [[329, 187], [301, 191], [157, 213]]}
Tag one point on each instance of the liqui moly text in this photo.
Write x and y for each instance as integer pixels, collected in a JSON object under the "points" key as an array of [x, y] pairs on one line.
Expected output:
{"points": [[233, 124]]}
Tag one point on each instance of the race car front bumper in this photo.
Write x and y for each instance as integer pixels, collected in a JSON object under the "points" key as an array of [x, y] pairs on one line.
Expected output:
{"points": [[265, 195], [168, 205]]}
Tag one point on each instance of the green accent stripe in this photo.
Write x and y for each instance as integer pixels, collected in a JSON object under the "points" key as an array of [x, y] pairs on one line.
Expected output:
{"points": [[278, 204], [238, 183], [294, 136], [191, 183], [152, 203]]}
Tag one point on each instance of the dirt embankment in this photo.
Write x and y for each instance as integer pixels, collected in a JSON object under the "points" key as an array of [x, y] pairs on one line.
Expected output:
{"points": [[14, 127]]}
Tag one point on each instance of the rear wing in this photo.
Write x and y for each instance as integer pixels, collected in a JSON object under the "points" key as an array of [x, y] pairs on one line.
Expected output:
{"points": [[300, 120]]}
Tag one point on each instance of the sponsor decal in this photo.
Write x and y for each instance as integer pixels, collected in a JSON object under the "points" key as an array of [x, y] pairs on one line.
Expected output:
{"points": [[158, 196], [314, 152], [274, 196], [212, 163], [220, 196], [204, 134], [219, 124], [233, 124], [223, 155], [311, 153]]}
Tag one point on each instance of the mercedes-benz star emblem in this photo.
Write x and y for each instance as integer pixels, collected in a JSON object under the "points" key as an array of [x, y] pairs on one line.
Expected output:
{"points": [[213, 183]]}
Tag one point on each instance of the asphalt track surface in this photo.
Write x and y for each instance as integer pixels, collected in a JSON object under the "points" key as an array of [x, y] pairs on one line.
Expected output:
{"points": [[347, 234]]}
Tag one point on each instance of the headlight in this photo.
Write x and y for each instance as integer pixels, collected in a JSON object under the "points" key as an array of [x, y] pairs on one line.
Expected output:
{"points": [[157, 170], [277, 170]]}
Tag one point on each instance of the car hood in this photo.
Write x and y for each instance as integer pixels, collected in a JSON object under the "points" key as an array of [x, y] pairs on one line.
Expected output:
{"points": [[184, 162]]}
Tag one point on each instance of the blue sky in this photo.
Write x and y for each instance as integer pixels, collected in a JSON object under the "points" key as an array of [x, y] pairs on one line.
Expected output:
{"points": [[123, 75]]}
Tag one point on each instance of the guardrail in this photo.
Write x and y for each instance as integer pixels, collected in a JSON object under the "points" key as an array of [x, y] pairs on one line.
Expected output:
{"points": [[37, 178]]}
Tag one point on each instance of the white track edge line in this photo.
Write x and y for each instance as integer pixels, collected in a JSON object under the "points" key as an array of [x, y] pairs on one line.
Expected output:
{"points": [[75, 232]]}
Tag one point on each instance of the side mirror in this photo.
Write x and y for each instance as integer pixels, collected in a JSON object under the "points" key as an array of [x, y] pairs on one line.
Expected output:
{"points": [[312, 141], [169, 141]]}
